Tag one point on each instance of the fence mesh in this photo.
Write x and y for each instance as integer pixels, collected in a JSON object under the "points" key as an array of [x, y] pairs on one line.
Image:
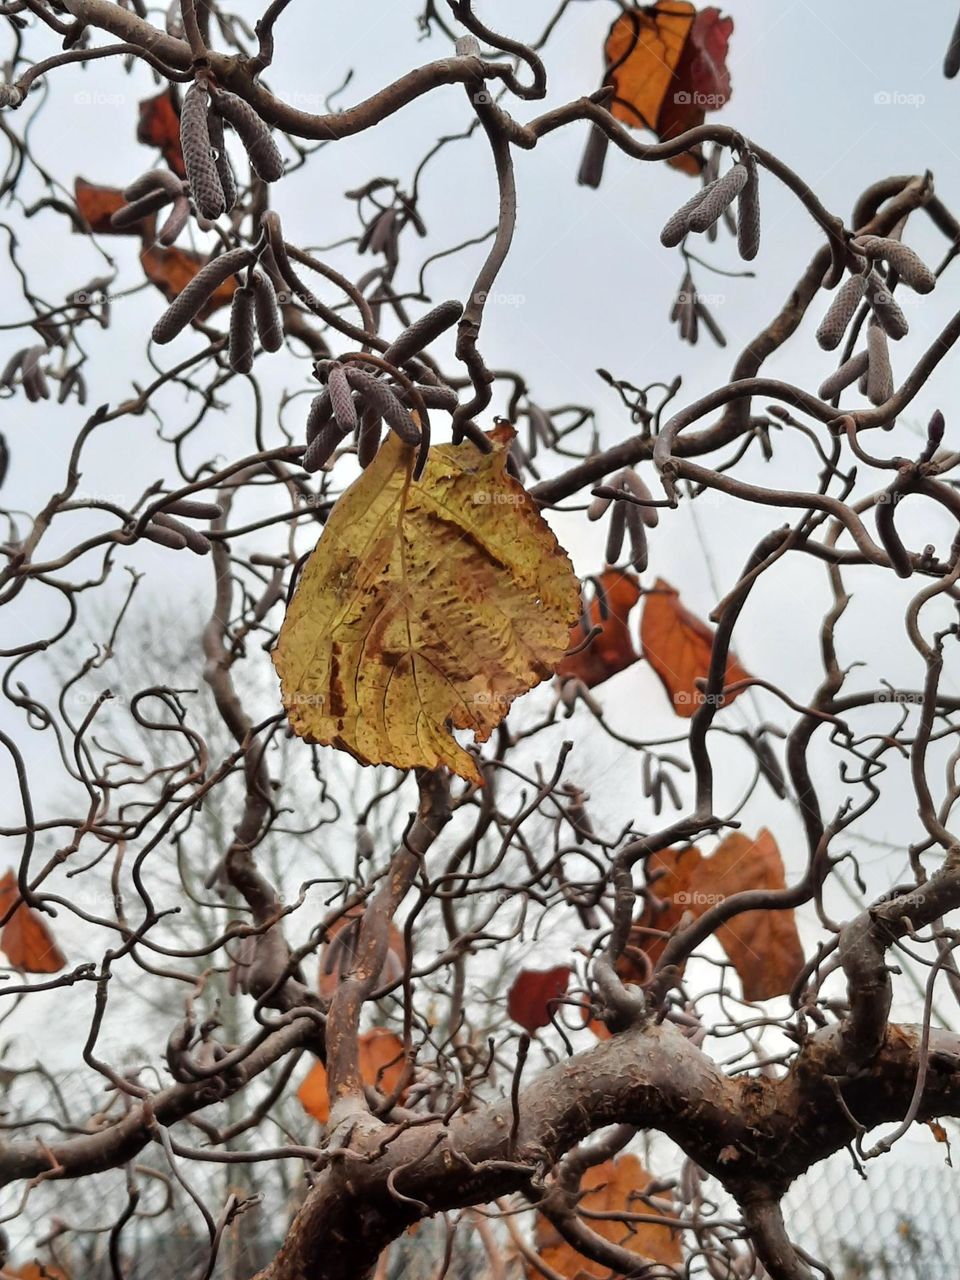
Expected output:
{"points": [[902, 1221]]}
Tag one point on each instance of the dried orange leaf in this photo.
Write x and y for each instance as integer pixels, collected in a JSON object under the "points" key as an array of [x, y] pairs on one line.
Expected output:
{"points": [[381, 1065], [171, 270], [533, 996], [612, 650], [26, 939], [668, 67], [313, 1094], [678, 647], [940, 1135], [642, 50], [612, 1187], [40, 1271], [427, 605], [763, 946]]}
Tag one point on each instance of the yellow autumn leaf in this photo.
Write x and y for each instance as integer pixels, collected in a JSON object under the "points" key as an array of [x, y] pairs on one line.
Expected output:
{"points": [[427, 605]]}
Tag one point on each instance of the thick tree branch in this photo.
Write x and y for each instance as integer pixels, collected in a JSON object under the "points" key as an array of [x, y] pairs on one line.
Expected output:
{"points": [[750, 1133]]}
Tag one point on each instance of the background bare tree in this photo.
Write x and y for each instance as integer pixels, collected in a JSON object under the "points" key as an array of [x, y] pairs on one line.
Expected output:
{"points": [[205, 914]]}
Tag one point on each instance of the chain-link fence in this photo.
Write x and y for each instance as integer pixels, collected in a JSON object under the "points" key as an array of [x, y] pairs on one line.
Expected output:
{"points": [[901, 1222]]}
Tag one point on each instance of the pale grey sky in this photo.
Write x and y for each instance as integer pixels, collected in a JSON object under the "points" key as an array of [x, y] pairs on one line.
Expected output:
{"points": [[845, 94]]}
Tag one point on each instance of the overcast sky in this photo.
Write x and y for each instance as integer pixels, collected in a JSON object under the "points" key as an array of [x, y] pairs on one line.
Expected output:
{"points": [[845, 94]]}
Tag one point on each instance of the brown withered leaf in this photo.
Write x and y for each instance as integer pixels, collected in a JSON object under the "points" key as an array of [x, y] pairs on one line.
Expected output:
{"points": [[534, 994], [612, 650], [611, 1187], [381, 1065], [171, 270], [97, 204], [159, 126], [428, 605], [701, 82], [763, 946], [938, 1131], [26, 940], [678, 645]]}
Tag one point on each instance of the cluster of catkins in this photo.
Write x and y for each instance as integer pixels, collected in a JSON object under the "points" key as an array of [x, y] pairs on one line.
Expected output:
{"points": [[33, 379], [689, 311], [164, 528], [210, 180], [871, 366], [211, 186], [358, 400], [540, 431], [255, 306], [702, 211], [205, 158], [657, 780], [632, 514], [150, 193], [25, 366]]}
